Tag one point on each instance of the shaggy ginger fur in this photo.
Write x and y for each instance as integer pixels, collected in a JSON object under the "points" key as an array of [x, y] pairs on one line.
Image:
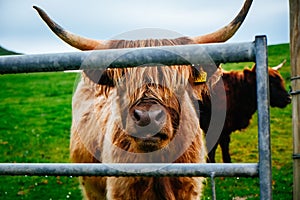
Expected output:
{"points": [[101, 128]]}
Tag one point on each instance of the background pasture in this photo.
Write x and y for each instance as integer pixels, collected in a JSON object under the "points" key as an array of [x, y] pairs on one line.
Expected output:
{"points": [[35, 119]]}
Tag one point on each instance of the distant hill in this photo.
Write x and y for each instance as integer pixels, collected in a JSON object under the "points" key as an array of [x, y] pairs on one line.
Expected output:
{"points": [[7, 52]]}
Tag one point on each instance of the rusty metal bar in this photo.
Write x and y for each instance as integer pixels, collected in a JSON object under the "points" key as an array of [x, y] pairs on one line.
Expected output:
{"points": [[101, 59], [130, 169]]}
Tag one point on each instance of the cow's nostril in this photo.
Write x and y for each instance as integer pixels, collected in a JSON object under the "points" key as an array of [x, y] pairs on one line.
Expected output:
{"points": [[160, 114], [137, 114], [141, 117], [289, 99]]}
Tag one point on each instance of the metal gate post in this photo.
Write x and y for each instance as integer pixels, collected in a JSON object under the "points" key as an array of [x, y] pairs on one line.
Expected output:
{"points": [[262, 81]]}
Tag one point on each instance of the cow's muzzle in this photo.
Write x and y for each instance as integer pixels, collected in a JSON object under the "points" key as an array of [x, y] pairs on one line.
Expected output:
{"points": [[148, 118]]}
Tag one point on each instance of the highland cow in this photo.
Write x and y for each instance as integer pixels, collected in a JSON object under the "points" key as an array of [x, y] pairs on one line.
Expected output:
{"points": [[140, 115], [241, 99]]}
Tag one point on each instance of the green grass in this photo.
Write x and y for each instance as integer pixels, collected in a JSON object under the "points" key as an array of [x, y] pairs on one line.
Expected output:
{"points": [[35, 112]]}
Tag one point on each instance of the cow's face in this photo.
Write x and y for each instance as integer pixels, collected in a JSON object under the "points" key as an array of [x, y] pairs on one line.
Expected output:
{"points": [[149, 101], [151, 121], [279, 97]]}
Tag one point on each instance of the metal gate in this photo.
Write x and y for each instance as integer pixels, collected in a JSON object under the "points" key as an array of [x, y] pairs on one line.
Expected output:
{"points": [[255, 51]]}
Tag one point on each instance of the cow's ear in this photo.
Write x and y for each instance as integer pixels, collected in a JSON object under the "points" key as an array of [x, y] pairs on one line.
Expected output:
{"points": [[215, 78], [200, 90], [250, 75], [253, 69], [204, 89], [101, 77]]}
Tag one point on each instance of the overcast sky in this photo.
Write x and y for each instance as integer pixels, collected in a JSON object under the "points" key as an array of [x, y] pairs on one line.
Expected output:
{"points": [[22, 30]]}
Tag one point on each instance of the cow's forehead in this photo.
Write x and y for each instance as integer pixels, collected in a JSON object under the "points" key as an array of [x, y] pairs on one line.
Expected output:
{"points": [[117, 44], [274, 75], [167, 76]]}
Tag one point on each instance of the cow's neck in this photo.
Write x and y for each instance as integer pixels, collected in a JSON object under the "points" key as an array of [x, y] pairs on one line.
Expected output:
{"points": [[243, 100]]}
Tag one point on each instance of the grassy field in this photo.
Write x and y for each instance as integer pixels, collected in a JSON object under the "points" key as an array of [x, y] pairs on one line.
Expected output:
{"points": [[35, 124]]}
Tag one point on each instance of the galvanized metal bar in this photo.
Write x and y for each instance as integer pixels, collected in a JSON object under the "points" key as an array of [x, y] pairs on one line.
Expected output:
{"points": [[101, 59], [262, 77], [213, 186], [130, 169]]}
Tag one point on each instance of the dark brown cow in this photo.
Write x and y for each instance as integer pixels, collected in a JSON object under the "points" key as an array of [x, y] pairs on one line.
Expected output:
{"points": [[241, 99], [139, 115]]}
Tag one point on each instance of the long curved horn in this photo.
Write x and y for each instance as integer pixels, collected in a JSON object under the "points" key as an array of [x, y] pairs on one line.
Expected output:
{"points": [[70, 38], [280, 65], [228, 31]]}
